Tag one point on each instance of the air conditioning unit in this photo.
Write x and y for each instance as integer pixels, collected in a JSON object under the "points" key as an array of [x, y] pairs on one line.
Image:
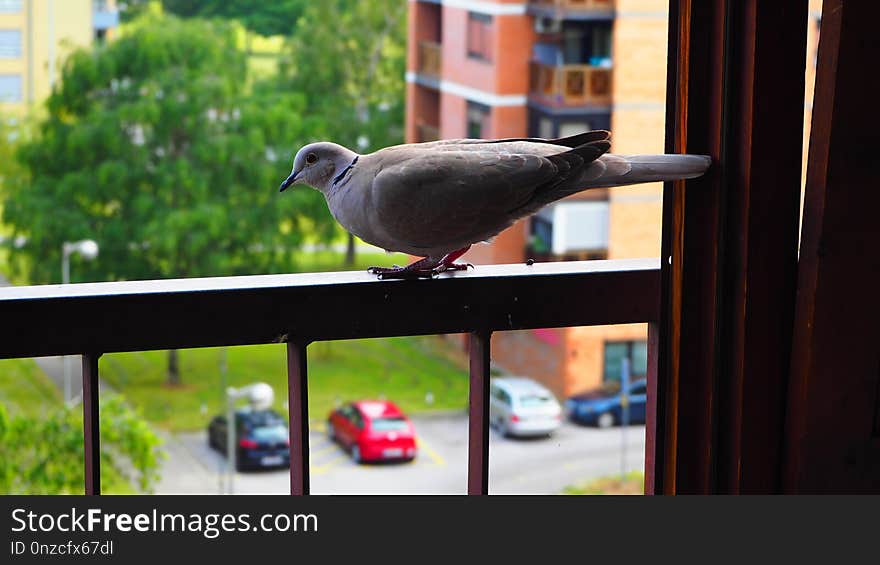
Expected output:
{"points": [[547, 25]]}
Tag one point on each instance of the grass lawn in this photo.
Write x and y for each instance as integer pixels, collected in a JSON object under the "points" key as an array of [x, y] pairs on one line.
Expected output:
{"points": [[633, 483], [330, 260], [405, 370], [25, 390]]}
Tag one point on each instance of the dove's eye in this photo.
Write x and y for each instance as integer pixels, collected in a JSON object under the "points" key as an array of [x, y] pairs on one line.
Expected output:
{"points": [[311, 158]]}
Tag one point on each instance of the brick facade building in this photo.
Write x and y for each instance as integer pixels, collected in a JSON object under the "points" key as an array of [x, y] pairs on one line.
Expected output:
{"points": [[550, 68]]}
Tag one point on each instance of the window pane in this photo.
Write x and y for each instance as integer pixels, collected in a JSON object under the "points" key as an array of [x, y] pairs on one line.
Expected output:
{"points": [[10, 88], [10, 43], [479, 36], [639, 366], [477, 117], [614, 356], [389, 425], [545, 128], [601, 46], [573, 128], [276, 433], [10, 6]]}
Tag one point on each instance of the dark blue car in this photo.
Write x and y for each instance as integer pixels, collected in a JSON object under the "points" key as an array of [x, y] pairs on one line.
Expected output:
{"points": [[261, 438], [602, 407]]}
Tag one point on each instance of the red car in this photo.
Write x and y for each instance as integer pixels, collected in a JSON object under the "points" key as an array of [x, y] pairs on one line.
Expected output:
{"points": [[373, 430]]}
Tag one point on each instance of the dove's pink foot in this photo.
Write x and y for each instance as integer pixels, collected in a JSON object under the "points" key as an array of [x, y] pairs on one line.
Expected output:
{"points": [[423, 268]]}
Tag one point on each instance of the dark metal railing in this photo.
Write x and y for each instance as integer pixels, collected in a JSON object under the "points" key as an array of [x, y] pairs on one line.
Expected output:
{"points": [[95, 318]]}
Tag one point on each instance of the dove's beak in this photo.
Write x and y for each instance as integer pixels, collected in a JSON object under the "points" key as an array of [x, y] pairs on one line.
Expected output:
{"points": [[288, 181]]}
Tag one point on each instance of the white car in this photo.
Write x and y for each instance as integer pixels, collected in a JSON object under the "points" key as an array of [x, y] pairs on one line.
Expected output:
{"points": [[519, 406]]}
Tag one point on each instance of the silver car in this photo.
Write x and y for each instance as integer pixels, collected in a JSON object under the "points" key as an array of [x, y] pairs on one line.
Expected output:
{"points": [[519, 406]]}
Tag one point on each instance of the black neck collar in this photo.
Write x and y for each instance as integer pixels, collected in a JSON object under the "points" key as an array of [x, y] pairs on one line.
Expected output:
{"points": [[345, 170]]}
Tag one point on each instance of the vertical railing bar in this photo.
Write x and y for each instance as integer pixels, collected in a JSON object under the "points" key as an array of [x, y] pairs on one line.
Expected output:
{"points": [[478, 413], [298, 405], [91, 426], [653, 414]]}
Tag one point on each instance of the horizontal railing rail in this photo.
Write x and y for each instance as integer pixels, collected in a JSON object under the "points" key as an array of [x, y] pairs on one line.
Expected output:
{"points": [[91, 319], [163, 314]]}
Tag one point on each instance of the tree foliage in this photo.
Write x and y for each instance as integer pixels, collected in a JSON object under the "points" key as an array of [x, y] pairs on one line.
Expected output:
{"points": [[11, 131], [43, 455], [348, 58], [273, 17], [154, 148]]}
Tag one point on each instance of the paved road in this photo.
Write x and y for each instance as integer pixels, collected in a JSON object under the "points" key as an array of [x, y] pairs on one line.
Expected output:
{"points": [[536, 466]]}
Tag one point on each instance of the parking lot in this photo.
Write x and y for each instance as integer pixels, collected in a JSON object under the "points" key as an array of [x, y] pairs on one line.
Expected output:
{"points": [[517, 466]]}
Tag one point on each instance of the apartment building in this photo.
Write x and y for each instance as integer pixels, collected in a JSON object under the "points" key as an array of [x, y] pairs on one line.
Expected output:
{"points": [[36, 35], [551, 68]]}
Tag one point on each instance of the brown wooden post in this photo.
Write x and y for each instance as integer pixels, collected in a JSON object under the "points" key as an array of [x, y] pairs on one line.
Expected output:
{"points": [[298, 407], [833, 427], [735, 92], [91, 424], [651, 410], [478, 413]]}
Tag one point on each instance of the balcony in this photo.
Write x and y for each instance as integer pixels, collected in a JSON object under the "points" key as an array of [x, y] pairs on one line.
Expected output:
{"points": [[96, 318], [429, 58], [427, 132], [570, 85], [573, 9]]}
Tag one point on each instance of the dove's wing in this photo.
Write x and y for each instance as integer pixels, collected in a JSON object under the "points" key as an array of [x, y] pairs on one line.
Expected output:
{"points": [[432, 198]]}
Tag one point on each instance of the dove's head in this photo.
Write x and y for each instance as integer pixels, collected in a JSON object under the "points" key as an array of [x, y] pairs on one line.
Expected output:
{"points": [[319, 165]]}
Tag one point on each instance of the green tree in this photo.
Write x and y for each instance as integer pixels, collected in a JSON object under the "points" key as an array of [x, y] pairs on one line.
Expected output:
{"points": [[10, 136], [13, 131], [43, 455], [275, 17], [348, 58], [153, 147]]}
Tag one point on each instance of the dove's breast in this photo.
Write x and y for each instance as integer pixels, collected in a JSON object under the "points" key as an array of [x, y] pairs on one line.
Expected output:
{"points": [[351, 205]]}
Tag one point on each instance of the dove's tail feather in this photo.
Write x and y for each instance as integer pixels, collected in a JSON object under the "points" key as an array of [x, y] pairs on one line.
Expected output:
{"points": [[655, 168], [621, 170]]}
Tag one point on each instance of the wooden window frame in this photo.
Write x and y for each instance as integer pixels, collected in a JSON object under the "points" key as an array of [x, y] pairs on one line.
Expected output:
{"points": [[752, 392]]}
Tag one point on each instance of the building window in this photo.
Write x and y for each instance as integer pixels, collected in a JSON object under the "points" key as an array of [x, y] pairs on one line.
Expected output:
{"points": [[579, 43], [479, 36], [10, 88], [617, 351], [567, 129], [10, 44], [10, 6], [570, 231], [477, 120], [600, 50]]}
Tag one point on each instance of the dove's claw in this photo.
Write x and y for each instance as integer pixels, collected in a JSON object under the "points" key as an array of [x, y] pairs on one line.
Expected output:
{"points": [[455, 267], [426, 268], [396, 272]]}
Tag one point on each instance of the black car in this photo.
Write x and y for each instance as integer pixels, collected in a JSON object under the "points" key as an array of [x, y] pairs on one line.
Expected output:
{"points": [[261, 438]]}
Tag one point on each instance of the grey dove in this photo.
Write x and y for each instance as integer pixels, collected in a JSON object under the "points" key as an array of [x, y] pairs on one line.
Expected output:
{"points": [[434, 200]]}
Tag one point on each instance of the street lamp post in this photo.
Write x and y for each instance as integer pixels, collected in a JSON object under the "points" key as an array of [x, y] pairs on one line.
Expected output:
{"points": [[87, 249], [260, 396]]}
